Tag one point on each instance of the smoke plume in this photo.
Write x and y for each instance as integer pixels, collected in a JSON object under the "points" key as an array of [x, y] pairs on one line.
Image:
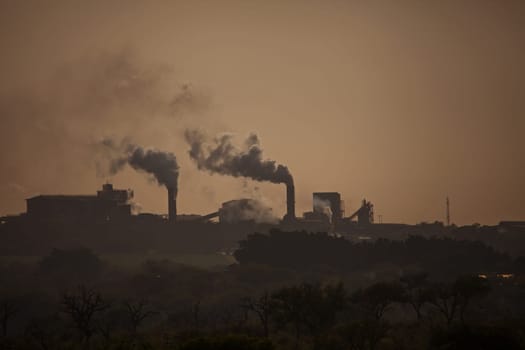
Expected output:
{"points": [[161, 165], [324, 207], [66, 111], [247, 210], [221, 156]]}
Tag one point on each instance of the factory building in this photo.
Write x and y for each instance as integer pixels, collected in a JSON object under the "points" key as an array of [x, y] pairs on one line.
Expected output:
{"points": [[107, 204], [329, 208], [241, 210], [331, 200], [365, 214]]}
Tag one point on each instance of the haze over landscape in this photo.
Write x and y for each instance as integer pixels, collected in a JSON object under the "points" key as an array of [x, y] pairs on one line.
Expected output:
{"points": [[403, 103], [262, 175]]}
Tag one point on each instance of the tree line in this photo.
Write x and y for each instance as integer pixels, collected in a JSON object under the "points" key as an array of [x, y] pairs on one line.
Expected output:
{"points": [[309, 315], [301, 250]]}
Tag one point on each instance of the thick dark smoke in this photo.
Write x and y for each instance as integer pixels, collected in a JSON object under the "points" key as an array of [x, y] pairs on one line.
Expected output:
{"points": [[222, 157], [161, 165]]}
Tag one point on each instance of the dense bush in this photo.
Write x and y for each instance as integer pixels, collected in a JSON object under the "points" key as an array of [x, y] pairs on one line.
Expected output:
{"points": [[301, 251], [78, 264], [289, 291]]}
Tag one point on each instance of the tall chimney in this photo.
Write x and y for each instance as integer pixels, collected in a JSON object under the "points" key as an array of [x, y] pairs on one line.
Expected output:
{"points": [[290, 202], [172, 205]]}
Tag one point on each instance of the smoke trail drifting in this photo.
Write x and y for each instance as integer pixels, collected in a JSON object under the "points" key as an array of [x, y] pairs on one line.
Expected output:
{"points": [[222, 157], [247, 209], [323, 206], [162, 165]]}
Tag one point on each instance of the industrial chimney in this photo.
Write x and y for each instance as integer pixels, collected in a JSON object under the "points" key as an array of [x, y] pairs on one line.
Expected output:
{"points": [[172, 205], [290, 202]]}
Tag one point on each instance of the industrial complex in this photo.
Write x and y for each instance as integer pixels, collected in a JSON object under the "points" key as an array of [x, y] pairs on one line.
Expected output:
{"points": [[110, 204], [107, 204], [105, 221]]}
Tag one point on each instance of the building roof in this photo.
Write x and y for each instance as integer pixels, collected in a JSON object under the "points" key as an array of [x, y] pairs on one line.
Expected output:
{"points": [[326, 194], [64, 197]]}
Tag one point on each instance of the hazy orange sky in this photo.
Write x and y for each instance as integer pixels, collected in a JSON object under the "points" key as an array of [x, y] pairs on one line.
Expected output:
{"points": [[401, 102]]}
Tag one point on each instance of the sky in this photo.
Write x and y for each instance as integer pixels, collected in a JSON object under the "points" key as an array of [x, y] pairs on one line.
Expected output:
{"points": [[400, 102]]}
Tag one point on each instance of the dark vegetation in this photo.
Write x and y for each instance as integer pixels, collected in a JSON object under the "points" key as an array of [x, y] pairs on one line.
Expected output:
{"points": [[438, 256], [21, 236], [287, 291]]}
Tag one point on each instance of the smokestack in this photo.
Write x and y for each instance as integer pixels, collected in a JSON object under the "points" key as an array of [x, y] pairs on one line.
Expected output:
{"points": [[223, 157], [161, 165], [172, 205], [290, 202]]}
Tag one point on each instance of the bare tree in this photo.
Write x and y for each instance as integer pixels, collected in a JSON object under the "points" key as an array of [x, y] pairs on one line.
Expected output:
{"points": [[379, 297], [8, 310], [468, 288], [451, 299], [137, 312], [226, 316], [44, 333], [446, 300], [309, 308], [37, 334], [261, 307], [82, 307], [105, 328], [417, 292], [196, 314]]}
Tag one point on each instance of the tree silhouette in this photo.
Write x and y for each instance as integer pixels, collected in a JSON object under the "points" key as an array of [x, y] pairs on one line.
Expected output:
{"points": [[8, 310], [137, 312], [453, 298], [379, 297], [468, 288], [445, 299], [417, 291], [39, 335], [309, 308], [262, 308], [82, 307]]}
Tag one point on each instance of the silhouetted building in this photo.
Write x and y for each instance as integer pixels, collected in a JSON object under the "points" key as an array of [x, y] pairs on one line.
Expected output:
{"points": [[365, 214], [108, 204], [316, 216], [333, 199]]}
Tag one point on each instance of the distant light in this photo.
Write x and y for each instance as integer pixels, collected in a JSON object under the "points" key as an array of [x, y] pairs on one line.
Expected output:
{"points": [[483, 276], [505, 275]]}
